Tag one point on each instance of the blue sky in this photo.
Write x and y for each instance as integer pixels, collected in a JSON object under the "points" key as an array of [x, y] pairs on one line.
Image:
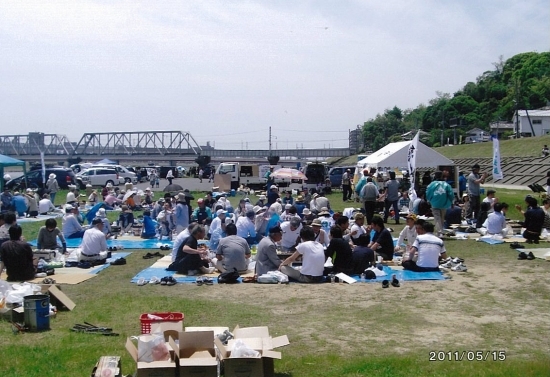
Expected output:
{"points": [[228, 70]]}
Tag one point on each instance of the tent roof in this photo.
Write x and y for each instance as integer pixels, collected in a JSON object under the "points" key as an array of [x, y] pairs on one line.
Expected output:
{"points": [[9, 161], [394, 155], [106, 161]]}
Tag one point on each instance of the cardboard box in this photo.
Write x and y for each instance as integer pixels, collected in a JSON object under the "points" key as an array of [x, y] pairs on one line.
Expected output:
{"points": [[57, 298], [195, 354], [47, 255], [153, 369], [256, 338], [107, 366]]}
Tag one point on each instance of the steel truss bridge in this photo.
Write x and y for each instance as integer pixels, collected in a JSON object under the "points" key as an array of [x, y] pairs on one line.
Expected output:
{"points": [[139, 146]]}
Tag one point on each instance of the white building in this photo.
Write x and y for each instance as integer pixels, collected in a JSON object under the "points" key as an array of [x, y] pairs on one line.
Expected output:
{"points": [[539, 125]]}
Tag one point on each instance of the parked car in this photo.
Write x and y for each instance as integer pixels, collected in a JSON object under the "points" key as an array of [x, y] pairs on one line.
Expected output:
{"points": [[129, 176], [64, 176], [335, 174], [98, 176], [143, 173]]}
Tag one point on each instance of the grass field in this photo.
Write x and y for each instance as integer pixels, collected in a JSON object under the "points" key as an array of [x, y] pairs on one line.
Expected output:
{"points": [[500, 304]]}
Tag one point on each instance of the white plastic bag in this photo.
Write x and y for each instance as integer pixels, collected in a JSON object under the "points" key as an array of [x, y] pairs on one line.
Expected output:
{"points": [[242, 350], [152, 347]]}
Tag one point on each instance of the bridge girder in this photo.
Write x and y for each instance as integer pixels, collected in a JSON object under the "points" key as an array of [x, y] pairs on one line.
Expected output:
{"points": [[35, 143], [138, 143]]}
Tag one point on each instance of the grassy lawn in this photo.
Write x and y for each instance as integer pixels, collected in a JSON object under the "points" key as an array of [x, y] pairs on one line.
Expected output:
{"points": [[334, 329]]}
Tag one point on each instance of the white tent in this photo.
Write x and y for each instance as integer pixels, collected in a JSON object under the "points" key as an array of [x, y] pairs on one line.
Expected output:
{"points": [[394, 155]]}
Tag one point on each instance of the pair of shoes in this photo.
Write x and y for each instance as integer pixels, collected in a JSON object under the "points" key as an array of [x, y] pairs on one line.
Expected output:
{"points": [[48, 281], [157, 254], [395, 282], [523, 256], [199, 281], [84, 264], [148, 256], [165, 247], [385, 284], [112, 248], [141, 282], [207, 280], [516, 245], [168, 280], [118, 262], [459, 268]]}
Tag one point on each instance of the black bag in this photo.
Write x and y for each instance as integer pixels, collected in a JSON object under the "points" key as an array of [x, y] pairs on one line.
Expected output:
{"points": [[229, 277]]}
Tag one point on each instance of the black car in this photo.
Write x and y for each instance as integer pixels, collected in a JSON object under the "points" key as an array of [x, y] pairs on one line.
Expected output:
{"points": [[64, 176]]}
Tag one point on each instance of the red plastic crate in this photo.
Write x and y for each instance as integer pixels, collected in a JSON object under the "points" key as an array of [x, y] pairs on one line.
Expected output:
{"points": [[164, 317]]}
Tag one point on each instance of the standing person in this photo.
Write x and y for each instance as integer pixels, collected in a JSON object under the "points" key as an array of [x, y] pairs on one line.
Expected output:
{"points": [[474, 181], [267, 258], [534, 219], [17, 257], [181, 213], [346, 185], [269, 179], [170, 176], [461, 184], [313, 259], [201, 173], [369, 195], [440, 196], [53, 186], [392, 198]]}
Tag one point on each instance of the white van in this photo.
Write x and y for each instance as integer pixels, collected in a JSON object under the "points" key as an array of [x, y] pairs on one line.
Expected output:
{"points": [[129, 176]]}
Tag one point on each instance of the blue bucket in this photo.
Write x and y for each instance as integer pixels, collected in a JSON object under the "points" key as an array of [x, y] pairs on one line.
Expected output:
{"points": [[37, 312], [232, 192]]}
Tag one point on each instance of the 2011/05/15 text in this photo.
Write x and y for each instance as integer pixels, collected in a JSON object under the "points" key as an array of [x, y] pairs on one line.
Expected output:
{"points": [[467, 356]]}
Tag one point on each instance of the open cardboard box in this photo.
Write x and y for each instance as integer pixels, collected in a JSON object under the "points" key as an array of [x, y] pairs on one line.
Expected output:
{"points": [[259, 339], [195, 354], [153, 369], [107, 366], [57, 298]]}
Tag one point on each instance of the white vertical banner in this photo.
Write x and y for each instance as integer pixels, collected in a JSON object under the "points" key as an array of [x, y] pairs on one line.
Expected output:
{"points": [[497, 171], [411, 165], [43, 169]]}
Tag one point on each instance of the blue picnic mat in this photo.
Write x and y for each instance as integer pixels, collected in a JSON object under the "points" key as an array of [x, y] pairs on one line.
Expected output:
{"points": [[404, 275], [113, 257], [127, 244], [148, 273]]}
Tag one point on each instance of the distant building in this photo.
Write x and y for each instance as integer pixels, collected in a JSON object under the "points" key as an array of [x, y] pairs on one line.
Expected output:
{"points": [[477, 135], [533, 122], [499, 128]]}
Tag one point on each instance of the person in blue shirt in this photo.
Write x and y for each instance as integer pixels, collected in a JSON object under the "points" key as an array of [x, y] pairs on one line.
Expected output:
{"points": [[19, 204], [149, 226], [461, 183], [287, 199]]}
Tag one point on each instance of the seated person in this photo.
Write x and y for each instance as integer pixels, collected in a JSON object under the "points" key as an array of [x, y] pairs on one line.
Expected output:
{"points": [[149, 229], [202, 214], [453, 216], [291, 234], [165, 221], [382, 241], [358, 229], [429, 248], [232, 251], [7, 220], [340, 251], [126, 219], [47, 237], [313, 259], [70, 223], [17, 257], [45, 205], [246, 227], [362, 255], [106, 224], [111, 201], [496, 222], [190, 258], [32, 210], [94, 243], [320, 234], [19, 204], [267, 258], [483, 213], [408, 233], [93, 198]]}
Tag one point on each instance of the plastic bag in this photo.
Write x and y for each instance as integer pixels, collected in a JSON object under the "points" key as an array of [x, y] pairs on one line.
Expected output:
{"points": [[242, 350], [152, 347]]}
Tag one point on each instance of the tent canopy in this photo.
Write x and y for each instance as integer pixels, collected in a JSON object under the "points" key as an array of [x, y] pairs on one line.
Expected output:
{"points": [[394, 155], [9, 161]]}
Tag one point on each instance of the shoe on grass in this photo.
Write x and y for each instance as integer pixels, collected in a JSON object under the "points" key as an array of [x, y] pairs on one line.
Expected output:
{"points": [[530, 256], [385, 283], [522, 256], [459, 268]]}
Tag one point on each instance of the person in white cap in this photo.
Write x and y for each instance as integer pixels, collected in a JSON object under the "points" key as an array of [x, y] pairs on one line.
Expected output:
{"points": [[101, 214], [181, 214], [261, 200], [32, 211], [261, 220], [287, 215], [217, 221], [53, 186], [71, 226], [71, 195]]}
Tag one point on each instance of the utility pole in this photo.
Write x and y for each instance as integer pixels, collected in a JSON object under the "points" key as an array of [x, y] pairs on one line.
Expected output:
{"points": [[442, 126], [270, 140], [517, 107]]}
